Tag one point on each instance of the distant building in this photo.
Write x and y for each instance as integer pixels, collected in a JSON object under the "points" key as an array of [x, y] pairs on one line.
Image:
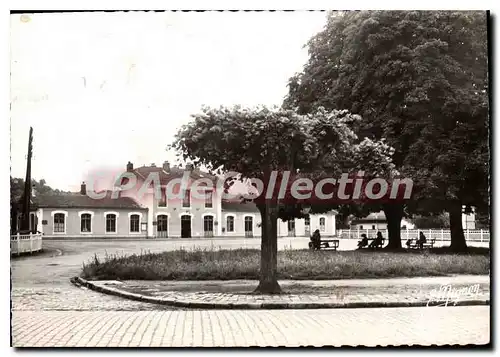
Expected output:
{"points": [[132, 215], [239, 220], [78, 215], [469, 220], [377, 221]]}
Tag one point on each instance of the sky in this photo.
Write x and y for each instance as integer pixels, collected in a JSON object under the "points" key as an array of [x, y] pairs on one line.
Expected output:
{"points": [[102, 89]]}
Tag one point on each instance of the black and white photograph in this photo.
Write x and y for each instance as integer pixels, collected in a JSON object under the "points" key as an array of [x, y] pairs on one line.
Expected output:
{"points": [[215, 179]]}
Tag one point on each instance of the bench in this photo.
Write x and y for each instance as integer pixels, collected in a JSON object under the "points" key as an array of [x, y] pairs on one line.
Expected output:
{"points": [[430, 244], [427, 245], [370, 241], [326, 244]]}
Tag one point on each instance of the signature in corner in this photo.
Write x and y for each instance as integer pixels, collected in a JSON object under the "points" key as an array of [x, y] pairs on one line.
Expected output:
{"points": [[447, 294]]}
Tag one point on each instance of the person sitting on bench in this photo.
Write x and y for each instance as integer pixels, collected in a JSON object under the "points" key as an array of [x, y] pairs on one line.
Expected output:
{"points": [[363, 242], [408, 243], [377, 241], [316, 240], [421, 240]]}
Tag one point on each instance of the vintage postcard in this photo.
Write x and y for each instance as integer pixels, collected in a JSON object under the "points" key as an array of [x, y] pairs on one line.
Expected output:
{"points": [[250, 178]]}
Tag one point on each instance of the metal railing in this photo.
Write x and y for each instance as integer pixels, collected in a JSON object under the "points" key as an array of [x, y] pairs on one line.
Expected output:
{"points": [[476, 235], [25, 243]]}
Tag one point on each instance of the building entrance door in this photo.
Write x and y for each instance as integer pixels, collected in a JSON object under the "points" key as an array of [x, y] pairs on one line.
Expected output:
{"points": [[185, 226]]}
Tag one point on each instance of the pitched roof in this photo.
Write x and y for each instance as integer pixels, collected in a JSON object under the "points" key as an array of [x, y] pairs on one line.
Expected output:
{"points": [[77, 200], [173, 173], [376, 216]]}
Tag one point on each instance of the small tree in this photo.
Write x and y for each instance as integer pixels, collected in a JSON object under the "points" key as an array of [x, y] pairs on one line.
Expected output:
{"points": [[257, 142]]}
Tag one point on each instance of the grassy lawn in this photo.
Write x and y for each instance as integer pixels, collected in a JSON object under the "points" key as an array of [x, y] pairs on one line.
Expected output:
{"points": [[201, 264]]}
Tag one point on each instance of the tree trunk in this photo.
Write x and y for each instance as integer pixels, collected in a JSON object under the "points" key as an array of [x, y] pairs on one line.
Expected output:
{"points": [[458, 243], [394, 215], [268, 283]]}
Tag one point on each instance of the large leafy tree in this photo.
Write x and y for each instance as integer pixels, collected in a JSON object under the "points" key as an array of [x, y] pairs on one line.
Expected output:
{"points": [[418, 79], [257, 142]]}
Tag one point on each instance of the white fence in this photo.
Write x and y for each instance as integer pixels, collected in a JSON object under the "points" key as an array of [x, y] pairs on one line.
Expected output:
{"points": [[25, 243], [477, 235]]}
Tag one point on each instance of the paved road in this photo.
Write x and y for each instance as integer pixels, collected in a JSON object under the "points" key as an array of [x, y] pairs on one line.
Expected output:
{"points": [[54, 269], [41, 282], [48, 311], [225, 328]]}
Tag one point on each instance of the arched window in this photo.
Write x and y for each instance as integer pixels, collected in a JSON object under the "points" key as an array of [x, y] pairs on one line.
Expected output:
{"points": [[230, 224], [59, 223], [162, 226], [291, 228], [322, 225], [208, 226], [208, 199], [248, 226], [186, 200], [111, 223], [86, 223], [134, 223], [163, 199], [307, 225]]}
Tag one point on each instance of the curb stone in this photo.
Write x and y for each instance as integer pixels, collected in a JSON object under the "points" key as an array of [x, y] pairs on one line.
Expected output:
{"points": [[78, 281]]}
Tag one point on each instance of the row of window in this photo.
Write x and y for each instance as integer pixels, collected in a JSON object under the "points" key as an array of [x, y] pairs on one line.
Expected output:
{"points": [[208, 223], [134, 223], [291, 224], [86, 223], [361, 227], [186, 199], [230, 224], [162, 222]]}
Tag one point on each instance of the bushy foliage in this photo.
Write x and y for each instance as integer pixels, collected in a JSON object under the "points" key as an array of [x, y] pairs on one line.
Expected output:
{"points": [[206, 264]]}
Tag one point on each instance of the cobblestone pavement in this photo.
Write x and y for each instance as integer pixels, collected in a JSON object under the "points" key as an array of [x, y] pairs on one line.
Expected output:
{"points": [[48, 311], [71, 298], [41, 282], [329, 293], [224, 328]]}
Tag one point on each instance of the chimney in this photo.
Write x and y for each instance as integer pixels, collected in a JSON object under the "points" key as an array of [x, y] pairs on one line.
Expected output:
{"points": [[130, 167], [83, 189], [189, 167], [166, 166], [33, 191]]}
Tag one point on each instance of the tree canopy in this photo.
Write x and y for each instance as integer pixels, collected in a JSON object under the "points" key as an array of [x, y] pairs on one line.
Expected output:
{"points": [[256, 141], [419, 79], [40, 187]]}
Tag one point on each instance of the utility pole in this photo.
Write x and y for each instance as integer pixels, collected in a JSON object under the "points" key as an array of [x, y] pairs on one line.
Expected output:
{"points": [[26, 200]]}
